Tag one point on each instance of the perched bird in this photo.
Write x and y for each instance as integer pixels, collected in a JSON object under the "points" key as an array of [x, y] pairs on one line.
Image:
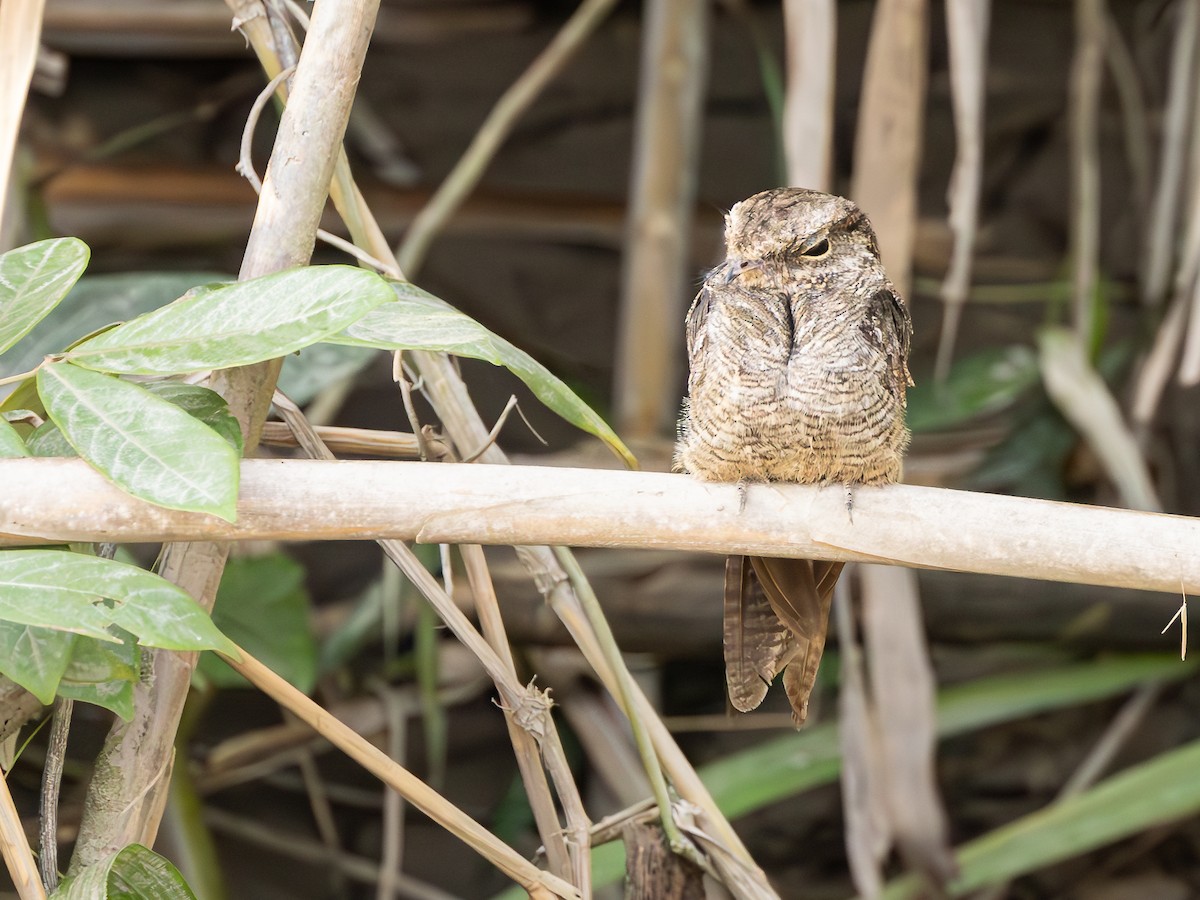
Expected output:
{"points": [[798, 354]]}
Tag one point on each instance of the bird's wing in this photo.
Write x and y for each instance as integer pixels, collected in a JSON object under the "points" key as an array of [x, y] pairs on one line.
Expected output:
{"points": [[757, 644], [889, 327], [697, 313]]}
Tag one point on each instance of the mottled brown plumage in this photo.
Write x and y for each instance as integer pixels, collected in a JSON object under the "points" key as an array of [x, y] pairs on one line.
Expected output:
{"points": [[798, 352]]}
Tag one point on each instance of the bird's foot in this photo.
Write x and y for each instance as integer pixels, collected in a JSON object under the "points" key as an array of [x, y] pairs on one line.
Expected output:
{"points": [[741, 486], [849, 501]]}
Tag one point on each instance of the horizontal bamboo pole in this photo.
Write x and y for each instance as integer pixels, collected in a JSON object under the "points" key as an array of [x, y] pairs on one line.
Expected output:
{"points": [[56, 500]]}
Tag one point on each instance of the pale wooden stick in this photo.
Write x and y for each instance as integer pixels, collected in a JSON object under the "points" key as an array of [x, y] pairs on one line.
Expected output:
{"points": [[56, 500]]}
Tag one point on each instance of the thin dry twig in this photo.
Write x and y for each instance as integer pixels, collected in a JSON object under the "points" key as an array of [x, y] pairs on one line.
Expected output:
{"points": [[56, 751], [245, 168], [571, 860], [538, 883], [1086, 72], [392, 857], [495, 129]]}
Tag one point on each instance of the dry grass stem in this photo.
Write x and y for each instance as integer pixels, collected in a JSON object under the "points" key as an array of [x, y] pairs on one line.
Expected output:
{"points": [[364, 441], [864, 794], [967, 30], [1083, 398], [903, 698], [374, 760], [18, 855], [495, 129], [1086, 71], [1155, 274], [1159, 365]]}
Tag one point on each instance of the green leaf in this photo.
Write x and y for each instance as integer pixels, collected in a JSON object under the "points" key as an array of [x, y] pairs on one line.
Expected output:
{"points": [[96, 303], [11, 445], [1161, 790], [198, 402], [263, 607], [978, 385], [104, 674], [132, 873], [33, 280], [115, 696], [204, 404], [420, 321], [776, 769], [63, 590], [35, 658], [47, 441], [218, 326], [146, 446]]}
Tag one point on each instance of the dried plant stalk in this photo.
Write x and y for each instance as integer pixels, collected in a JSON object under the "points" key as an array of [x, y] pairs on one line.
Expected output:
{"points": [[662, 197], [810, 29], [1086, 70], [536, 882], [967, 30]]}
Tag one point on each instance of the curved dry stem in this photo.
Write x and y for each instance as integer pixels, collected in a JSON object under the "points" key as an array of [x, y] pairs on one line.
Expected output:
{"points": [[495, 129]]}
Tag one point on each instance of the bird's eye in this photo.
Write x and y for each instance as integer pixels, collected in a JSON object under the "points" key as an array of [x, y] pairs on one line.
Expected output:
{"points": [[817, 250]]}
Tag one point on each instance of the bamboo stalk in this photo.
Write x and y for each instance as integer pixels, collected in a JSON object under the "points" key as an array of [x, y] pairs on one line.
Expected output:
{"points": [[129, 789], [55, 500]]}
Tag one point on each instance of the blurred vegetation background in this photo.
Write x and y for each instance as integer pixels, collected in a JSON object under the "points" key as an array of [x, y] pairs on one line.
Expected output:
{"points": [[1056, 353]]}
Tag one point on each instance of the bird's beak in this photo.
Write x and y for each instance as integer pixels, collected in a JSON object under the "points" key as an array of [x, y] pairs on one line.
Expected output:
{"points": [[735, 267]]}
